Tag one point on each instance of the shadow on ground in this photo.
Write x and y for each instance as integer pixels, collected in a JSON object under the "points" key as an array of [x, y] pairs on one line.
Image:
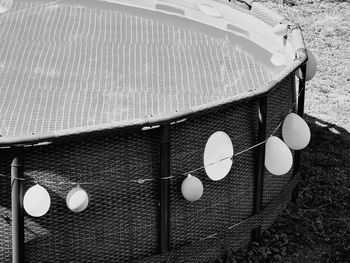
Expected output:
{"points": [[315, 227]]}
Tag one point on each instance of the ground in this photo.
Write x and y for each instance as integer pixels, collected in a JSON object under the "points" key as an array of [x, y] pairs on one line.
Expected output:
{"points": [[316, 226], [325, 26]]}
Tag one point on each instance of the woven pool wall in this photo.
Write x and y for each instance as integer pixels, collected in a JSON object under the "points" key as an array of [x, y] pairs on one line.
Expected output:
{"points": [[121, 223]]}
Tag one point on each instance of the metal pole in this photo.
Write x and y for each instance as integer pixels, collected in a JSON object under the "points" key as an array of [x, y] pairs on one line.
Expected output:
{"points": [[300, 112], [164, 187], [17, 206], [260, 165]]}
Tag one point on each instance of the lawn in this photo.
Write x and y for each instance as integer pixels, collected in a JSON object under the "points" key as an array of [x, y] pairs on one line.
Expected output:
{"points": [[316, 226]]}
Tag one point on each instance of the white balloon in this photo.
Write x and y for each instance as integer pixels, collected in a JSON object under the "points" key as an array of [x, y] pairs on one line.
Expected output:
{"points": [[295, 132], [77, 200], [278, 59], [36, 201], [5, 5], [280, 29], [311, 66], [192, 188], [217, 154], [219, 170], [278, 157]]}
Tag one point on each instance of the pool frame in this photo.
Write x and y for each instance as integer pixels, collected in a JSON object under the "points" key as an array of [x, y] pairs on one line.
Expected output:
{"points": [[262, 215]]}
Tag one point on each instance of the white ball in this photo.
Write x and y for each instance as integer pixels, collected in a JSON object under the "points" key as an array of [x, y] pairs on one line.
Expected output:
{"points": [[192, 188], [36, 201], [295, 132], [217, 153], [311, 66], [280, 29], [278, 157], [77, 200], [278, 59]]}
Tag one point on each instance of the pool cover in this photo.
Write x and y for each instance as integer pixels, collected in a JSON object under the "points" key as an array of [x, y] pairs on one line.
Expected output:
{"points": [[66, 65]]}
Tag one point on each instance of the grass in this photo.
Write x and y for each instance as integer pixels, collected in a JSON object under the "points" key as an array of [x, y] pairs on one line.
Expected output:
{"points": [[316, 226]]}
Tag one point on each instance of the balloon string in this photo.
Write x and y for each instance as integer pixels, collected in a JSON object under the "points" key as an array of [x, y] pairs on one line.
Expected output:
{"points": [[250, 148], [166, 178], [61, 183], [140, 181], [13, 177], [235, 225], [204, 166], [215, 235]]}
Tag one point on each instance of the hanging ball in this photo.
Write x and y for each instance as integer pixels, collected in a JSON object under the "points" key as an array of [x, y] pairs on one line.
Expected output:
{"points": [[217, 156], [311, 66], [36, 201], [280, 29], [278, 59], [77, 199], [192, 188], [278, 157], [295, 132], [5, 5]]}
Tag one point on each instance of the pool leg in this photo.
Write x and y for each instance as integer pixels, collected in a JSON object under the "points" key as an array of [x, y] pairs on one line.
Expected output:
{"points": [[17, 206], [260, 166], [300, 112], [164, 187]]}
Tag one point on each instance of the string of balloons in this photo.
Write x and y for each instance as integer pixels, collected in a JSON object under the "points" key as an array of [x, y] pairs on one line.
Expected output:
{"points": [[278, 157], [37, 200]]}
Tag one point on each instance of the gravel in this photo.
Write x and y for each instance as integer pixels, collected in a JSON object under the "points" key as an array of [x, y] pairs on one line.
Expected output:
{"points": [[326, 32]]}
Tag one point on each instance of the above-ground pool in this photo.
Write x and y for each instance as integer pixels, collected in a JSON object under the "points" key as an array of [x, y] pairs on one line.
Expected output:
{"points": [[120, 97]]}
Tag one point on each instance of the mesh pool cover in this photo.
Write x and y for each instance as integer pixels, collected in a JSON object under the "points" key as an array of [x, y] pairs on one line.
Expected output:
{"points": [[67, 65]]}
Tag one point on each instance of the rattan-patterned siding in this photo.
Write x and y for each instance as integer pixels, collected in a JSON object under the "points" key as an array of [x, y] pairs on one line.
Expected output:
{"points": [[5, 207], [224, 202], [121, 222]]}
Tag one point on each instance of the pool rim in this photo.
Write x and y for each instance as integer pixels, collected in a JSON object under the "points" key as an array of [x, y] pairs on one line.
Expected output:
{"points": [[259, 11]]}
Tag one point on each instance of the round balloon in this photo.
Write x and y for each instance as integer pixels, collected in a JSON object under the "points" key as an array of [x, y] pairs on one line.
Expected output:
{"points": [[278, 157], [192, 188], [217, 155], [311, 66], [36, 201], [278, 59], [280, 29], [295, 132], [5, 5], [77, 200]]}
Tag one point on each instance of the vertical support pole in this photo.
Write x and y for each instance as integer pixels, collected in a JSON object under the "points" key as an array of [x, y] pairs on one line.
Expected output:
{"points": [[164, 187], [17, 206], [260, 165], [301, 98], [300, 112]]}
